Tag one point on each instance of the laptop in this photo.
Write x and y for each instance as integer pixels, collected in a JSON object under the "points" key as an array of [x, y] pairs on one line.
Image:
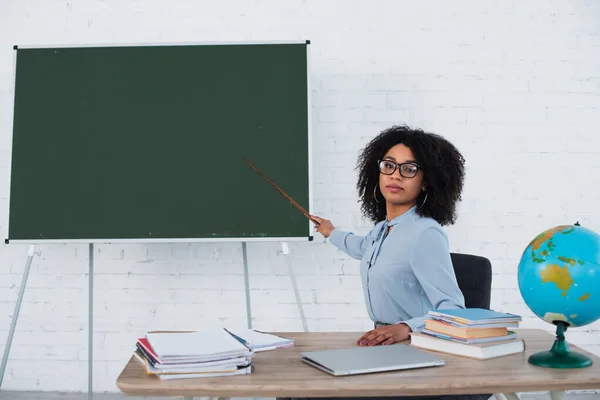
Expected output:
{"points": [[365, 360]]}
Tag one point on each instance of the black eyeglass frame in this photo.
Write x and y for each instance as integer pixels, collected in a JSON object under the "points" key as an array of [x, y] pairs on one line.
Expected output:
{"points": [[398, 166]]}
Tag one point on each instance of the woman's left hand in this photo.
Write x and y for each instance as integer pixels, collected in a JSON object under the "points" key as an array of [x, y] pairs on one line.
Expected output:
{"points": [[385, 335]]}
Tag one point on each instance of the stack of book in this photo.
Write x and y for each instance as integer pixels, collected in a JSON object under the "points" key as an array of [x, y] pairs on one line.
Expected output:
{"points": [[472, 332], [177, 355], [219, 352]]}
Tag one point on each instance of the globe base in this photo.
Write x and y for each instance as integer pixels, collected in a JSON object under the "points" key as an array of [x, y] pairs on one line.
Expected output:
{"points": [[560, 356], [549, 359]]}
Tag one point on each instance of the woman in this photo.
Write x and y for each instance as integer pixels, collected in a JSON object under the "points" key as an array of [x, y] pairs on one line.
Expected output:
{"points": [[409, 184]]}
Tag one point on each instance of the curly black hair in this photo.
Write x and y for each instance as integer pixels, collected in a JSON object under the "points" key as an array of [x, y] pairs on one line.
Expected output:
{"points": [[441, 162]]}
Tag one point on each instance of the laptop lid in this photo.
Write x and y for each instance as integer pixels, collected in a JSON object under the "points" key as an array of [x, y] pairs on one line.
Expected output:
{"points": [[364, 360]]}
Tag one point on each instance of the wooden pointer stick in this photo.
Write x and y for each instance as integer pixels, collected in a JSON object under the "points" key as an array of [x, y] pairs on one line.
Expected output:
{"points": [[294, 203]]}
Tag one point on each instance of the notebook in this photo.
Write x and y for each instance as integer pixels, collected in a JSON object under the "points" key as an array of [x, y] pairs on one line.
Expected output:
{"points": [[494, 339], [468, 332], [474, 316], [200, 346], [479, 351], [364, 360], [260, 341], [240, 371]]}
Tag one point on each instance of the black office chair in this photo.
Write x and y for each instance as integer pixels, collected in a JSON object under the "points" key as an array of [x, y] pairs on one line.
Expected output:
{"points": [[474, 276]]}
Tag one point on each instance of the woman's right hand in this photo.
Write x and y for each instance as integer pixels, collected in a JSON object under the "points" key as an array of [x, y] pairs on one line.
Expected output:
{"points": [[325, 226]]}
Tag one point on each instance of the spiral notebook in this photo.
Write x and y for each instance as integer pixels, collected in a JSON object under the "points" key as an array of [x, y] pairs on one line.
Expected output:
{"points": [[259, 341], [199, 346]]}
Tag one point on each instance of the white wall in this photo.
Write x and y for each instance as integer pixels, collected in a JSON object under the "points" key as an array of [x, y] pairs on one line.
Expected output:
{"points": [[515, 85]]}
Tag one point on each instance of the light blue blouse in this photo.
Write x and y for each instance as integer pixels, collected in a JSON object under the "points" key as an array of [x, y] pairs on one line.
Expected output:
{"points": [[405, 273]]}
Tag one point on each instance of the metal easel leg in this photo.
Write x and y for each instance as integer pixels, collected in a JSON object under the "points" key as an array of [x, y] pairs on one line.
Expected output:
{"points": [[288, 260], [91, 320], [15, 316], [247, 285], [512, 396]]}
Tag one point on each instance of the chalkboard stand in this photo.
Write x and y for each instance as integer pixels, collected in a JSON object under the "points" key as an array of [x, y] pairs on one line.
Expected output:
{"points": [[31, 253], [247, 285], [15, 317], [288, 259], [13, 323], [90, 319]]}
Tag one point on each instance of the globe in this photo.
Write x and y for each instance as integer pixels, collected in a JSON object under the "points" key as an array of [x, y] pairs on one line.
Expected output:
{"points": [[559, 279]]}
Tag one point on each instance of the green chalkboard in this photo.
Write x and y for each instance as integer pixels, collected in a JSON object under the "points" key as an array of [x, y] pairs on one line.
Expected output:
{"points": [[146, 142]]}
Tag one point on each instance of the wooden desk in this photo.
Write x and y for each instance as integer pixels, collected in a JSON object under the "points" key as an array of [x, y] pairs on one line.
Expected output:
{"points": [[281, 373]]}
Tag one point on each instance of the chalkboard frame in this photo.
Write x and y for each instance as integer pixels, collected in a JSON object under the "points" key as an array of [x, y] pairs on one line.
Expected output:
{"points": [[175, 240]]}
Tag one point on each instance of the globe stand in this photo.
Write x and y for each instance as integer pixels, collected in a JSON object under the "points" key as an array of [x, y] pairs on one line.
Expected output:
{"points": [[560, 356]]}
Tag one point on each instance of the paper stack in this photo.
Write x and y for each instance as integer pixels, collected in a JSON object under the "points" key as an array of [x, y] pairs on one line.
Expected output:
{"points": [[472, 332], [176, 355]]}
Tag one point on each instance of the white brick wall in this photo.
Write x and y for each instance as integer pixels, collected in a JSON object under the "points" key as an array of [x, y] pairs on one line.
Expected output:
{"points": [[516, 85]]}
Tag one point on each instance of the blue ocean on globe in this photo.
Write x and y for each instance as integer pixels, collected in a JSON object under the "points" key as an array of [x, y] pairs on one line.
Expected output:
{"points": [[559, 275]]}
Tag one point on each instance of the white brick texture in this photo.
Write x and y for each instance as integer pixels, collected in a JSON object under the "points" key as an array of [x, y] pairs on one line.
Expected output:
{"points": [[515, 85]]}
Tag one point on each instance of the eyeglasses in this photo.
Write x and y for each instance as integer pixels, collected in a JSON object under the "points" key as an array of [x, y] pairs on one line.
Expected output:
{"points": [[407, 170]]}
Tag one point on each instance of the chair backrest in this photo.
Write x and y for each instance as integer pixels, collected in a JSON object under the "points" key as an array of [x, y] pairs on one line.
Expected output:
{"points": [[474, 276]]}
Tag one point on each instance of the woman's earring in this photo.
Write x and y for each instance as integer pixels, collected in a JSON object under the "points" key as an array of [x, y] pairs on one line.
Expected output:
{"points": [[375, 193], [424, 200]]}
